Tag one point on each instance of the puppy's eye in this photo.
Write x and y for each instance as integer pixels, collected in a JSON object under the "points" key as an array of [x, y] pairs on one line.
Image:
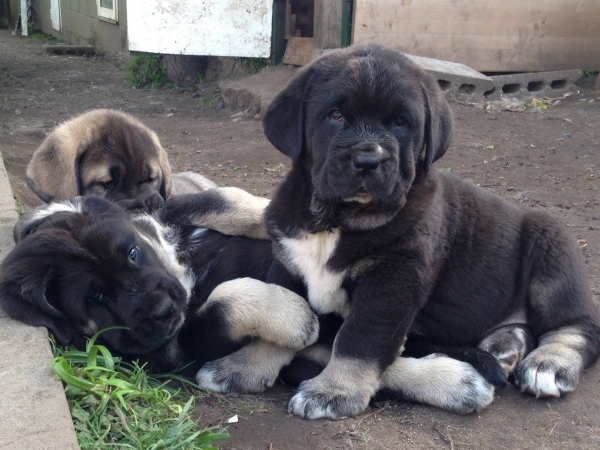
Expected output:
{"points": [[95, 296], [134, 253], [400, 121], [336, 114]]}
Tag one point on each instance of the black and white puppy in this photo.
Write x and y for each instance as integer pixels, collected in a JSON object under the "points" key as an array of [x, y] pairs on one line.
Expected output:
{"points": [[185, 294], [399, 250]]}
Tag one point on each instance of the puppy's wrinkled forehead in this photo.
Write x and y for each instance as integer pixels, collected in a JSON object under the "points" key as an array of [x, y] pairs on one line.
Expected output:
{"points": [[369, 84]]}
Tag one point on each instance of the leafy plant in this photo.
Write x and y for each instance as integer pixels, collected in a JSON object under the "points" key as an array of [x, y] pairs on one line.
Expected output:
{"points": [[211, 99], [45, 38], [118, 405], [253, 65], [145, 70]]}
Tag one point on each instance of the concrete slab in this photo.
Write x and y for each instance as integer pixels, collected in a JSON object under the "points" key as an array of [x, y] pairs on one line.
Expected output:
{"points": [[33, 408], [253, 94], [534, 84], [455, 79]]}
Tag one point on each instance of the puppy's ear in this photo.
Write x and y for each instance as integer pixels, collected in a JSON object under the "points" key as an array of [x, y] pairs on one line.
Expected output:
{"points": [[23, 297], [53, 172], [165, 167], [438, 126], [283, 122], [32, 219]]}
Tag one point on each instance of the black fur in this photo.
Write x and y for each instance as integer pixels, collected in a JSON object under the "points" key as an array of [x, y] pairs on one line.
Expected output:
{"points": [[69, 268], [423, 253]]}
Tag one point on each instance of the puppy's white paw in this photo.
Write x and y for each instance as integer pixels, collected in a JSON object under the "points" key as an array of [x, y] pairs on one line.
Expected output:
{"points": [[440, 381], [252, 369], [323, 400], [549, 372]]}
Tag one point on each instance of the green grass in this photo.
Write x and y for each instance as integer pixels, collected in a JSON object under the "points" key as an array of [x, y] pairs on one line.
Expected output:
{"points": [[145, 70], [253, 65], [211, 99], [45, 38], [116, 405]]}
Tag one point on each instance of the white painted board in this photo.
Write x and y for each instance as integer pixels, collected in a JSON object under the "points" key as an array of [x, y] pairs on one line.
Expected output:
{"points": [[55, 14], [201, 27]]}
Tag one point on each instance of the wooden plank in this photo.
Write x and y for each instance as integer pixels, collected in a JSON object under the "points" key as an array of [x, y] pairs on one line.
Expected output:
{"points": [[487, 35], [298, 51], [328, 25], [290, 23]]}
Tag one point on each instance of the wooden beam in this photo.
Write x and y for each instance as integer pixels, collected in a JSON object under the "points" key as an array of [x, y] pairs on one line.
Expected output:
{"points": [[327, 32], [487, 35]]}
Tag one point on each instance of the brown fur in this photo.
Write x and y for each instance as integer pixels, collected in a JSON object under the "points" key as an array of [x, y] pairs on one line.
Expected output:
{"points": [[103, 152]]}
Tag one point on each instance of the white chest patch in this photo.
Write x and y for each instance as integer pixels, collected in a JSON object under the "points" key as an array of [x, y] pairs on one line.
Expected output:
{"points": [[308, 255]]}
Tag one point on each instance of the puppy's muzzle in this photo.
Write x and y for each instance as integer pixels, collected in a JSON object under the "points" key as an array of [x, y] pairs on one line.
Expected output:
{"points": [[366, 158]]}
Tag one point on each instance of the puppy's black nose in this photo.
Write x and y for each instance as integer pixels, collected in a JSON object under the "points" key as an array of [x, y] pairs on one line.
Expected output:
{"points": [[366, 158], [164, 310]]}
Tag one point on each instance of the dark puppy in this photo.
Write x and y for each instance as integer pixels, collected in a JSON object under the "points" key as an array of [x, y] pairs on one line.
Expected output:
{"points": [[399, 250], [111, 154], [84, 265]]}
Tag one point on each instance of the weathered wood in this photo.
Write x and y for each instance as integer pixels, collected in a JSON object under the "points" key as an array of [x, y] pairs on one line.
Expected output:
{"points": [[487, 35], [290, 22], [299, 51], [327, 25]]}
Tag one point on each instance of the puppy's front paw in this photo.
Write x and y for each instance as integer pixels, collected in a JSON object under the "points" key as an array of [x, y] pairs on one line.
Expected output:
{"points": [[252, 369], [323, 399], [548, 373]]}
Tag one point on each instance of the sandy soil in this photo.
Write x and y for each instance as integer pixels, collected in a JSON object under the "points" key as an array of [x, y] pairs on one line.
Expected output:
{"points": [[547, 160]]}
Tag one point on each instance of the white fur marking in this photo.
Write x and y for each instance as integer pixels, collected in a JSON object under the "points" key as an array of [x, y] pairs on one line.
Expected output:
{"points": [[71, 206], [554, 367], [167, 253], [439, 381], [309, 254], [253, 368]]}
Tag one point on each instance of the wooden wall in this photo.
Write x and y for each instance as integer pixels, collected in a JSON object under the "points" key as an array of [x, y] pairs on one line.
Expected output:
{"points": [[487, 35]]}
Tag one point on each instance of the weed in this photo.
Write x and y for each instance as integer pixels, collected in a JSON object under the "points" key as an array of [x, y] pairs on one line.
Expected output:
{"points": [[145, 70], [253, 65], [20, 206], [589, 73], [211, 99], [8, 164], [45, 38], [201, 78], [118, 405]]}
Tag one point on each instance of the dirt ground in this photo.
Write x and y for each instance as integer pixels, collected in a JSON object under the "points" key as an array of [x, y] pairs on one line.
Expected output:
{"points": [[543, 159]]}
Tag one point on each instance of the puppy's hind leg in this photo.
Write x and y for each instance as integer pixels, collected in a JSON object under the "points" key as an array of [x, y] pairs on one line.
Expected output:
{"points": [[483, 361], [252, 369], [249, 308], [277, 322], [438, 380], [553, 368], [509, 345], [559, 307]]}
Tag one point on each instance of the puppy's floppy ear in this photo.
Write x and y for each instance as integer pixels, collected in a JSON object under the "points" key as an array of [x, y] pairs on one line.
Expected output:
{"points": [[23, 297], [438, 126], [283, 122], [165, 167], [53, 172], [33, 218]]}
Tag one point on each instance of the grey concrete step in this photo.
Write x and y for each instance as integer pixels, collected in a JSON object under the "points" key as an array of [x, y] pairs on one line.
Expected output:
{"points": [[34, 414]]}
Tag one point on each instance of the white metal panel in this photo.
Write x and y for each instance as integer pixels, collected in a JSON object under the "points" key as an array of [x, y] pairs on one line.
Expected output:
{"points": [[201, 27], [55, 14]]}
